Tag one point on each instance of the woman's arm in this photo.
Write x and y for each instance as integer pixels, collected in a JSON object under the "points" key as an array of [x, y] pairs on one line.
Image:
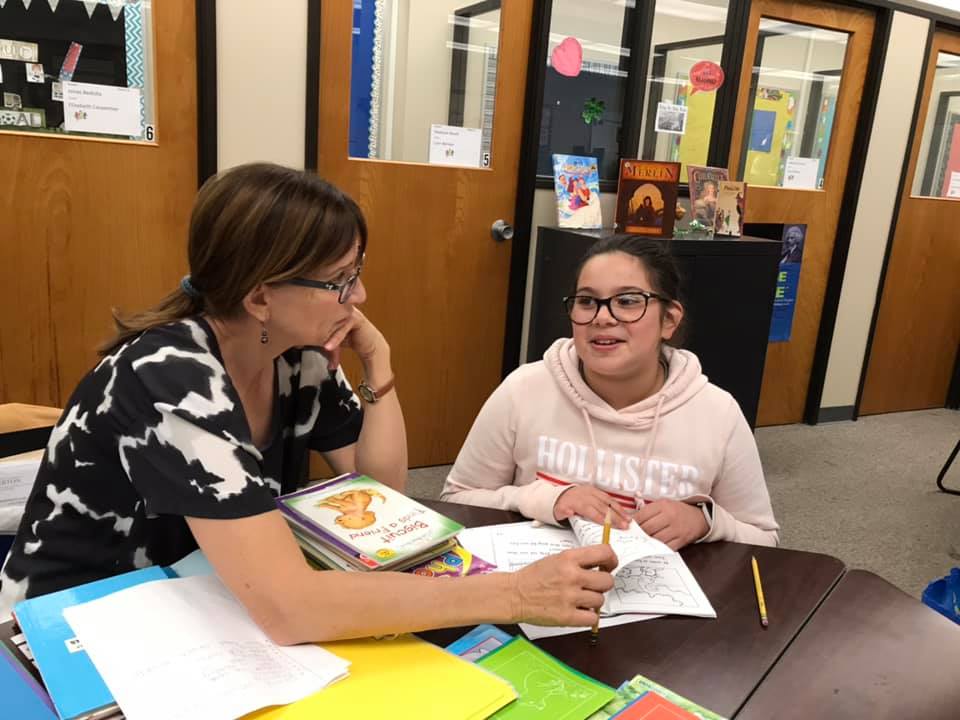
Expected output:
{"points": [[260, 562], [381, 449]]}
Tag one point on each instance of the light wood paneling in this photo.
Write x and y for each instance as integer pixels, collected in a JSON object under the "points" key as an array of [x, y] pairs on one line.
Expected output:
{"points": [[88, 225], [436, 281], [788, 365], [918, 327]]}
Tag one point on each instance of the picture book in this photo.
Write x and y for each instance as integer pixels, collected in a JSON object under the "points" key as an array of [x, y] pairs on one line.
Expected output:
{"points": [[731, 208], [547, 687], [478, 642], [647, 197], [643, 698], [704, 185], [401, 679], [576, 181], [651, 579], [367, 522], [75, 686], [457, 562]]}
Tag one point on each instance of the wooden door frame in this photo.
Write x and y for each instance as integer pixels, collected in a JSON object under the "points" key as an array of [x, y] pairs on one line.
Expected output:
{"points": [[206, 90], [937, 24]]}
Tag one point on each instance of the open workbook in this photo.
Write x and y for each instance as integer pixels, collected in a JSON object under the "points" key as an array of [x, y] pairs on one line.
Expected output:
{"points": [[649, 579]]}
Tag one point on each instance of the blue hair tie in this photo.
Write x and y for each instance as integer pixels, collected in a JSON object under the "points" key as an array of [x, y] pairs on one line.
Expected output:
{"points": [[189, 289]]}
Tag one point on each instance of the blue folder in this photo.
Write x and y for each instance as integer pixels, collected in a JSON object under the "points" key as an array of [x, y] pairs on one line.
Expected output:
{"points": [[22, 697], [73, 682]]}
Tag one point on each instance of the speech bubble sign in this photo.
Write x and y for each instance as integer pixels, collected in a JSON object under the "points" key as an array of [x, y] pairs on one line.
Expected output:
{"points": [[567, 57], [707, 76]]}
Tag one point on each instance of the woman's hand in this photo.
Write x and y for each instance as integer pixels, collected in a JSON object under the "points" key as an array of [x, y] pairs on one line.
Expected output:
{"points": [[564, 589], [590, 503], [672, 522], [361, 336]]}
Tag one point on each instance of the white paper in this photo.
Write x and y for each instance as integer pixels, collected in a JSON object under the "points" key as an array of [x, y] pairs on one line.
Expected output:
{"points": [[801, 173], [102, 109], [671, 118], [650, 579], [452, 145], [185, 648], [16, 479], [953, 190]]}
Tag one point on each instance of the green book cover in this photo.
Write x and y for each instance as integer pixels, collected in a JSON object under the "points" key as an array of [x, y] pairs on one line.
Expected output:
{"points": [[547, 689], [632, 689]]}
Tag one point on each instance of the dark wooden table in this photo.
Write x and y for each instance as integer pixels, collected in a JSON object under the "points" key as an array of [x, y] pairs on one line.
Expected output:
{"points": [[870, 651], [717, 663]]}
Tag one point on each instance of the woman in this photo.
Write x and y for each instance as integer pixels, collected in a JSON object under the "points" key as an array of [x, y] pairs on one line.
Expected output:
{"points": [[204, 407], [616, 417]]}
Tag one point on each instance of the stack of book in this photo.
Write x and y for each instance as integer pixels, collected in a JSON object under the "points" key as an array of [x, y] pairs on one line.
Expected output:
{"points": [[353, 522]]}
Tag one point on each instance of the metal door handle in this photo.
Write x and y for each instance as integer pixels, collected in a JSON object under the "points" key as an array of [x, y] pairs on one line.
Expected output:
{"points": [[501, 231]]}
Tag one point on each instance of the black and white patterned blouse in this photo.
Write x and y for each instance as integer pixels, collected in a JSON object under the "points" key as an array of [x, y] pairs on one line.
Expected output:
{"points": [[157, 432]]}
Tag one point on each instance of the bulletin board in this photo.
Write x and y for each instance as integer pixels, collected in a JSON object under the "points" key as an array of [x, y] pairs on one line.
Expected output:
{"points": [[71, 68], [770, 137]]}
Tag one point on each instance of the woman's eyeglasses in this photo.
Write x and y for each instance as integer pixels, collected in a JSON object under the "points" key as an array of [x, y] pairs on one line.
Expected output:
{"points": [[625, 307], [345, 288]]}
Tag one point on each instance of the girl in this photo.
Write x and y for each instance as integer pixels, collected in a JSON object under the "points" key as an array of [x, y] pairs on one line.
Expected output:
{"points": [[204, 408], [617, 417]]}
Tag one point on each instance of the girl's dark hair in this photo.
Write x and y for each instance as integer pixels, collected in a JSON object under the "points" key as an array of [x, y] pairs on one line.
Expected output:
{"points": [[658, 262], [252, 224]]}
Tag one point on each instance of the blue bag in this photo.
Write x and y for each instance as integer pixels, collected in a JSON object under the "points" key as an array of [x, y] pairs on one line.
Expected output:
{"points": [[943, 595]]}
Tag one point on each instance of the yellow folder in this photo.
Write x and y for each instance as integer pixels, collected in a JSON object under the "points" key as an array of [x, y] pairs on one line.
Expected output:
{"points": [[400, 679]]}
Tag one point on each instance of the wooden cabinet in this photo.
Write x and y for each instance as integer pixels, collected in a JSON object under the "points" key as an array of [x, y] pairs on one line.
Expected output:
{"points": [[728, 288]]}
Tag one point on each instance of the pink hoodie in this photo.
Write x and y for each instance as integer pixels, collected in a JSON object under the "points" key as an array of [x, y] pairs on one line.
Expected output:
{"points": [[544, 429]]}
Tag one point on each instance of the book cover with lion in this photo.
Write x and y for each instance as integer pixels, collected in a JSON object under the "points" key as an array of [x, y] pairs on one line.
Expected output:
{"points": [[647, 197], [364, 520]]}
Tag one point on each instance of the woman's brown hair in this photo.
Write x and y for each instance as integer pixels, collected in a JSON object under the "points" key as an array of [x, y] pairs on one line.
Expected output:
{"points": [[252, 224]]}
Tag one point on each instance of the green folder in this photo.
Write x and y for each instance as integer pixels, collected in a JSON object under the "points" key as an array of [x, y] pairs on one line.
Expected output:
{"points": [[547, 689]]}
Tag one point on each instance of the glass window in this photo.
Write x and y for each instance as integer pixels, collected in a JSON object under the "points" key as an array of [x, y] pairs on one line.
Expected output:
{"points": [[587, 61], [78, 69], [793, 96], [423, 80], [938, 165], [678, 117]]}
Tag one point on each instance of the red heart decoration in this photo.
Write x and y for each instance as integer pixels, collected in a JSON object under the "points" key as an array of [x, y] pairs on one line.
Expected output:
{"points": [[567, 57]]}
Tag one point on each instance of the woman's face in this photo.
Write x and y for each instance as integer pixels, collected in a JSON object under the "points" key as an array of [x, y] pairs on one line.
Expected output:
{"points": [[615, 349], [305, 316]]}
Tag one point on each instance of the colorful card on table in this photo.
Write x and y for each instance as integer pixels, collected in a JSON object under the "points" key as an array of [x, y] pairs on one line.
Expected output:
{"points": [[549, 690], [402, 679], [456, 562], [478, 642], [75, 686], [643, 698]]}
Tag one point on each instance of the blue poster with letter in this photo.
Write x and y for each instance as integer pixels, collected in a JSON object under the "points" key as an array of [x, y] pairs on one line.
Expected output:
{"points": [[788, 282]]}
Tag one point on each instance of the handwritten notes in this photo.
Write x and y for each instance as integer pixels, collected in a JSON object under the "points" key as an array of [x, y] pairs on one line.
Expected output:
{"points": [[162, 657]]}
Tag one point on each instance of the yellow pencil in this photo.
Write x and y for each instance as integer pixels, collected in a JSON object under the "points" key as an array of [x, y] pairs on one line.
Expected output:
{"points": [[595, 630], [759, 587]]}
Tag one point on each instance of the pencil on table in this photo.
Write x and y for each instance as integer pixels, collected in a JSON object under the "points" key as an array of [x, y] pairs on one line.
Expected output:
{"points": [[756, 583], [595, 630]]}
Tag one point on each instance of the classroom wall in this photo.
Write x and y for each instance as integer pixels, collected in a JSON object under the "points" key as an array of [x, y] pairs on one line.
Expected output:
{"points": [[261, 67], [878, 194]]}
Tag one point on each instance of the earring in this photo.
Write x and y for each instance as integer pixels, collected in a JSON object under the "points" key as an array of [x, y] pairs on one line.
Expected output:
{"points": [[264, 338]]}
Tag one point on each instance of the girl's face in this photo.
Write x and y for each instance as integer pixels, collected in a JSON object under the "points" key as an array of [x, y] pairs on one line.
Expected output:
{"points": [[607, 346], [305, 316]]}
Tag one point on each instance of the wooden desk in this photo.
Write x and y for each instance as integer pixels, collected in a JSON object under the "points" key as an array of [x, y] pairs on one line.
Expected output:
{"points": [[870, 651], [716, 663]]}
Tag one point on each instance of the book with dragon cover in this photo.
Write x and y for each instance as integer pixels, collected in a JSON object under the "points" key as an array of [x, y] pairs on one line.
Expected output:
{"points": [[361, 522]]}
